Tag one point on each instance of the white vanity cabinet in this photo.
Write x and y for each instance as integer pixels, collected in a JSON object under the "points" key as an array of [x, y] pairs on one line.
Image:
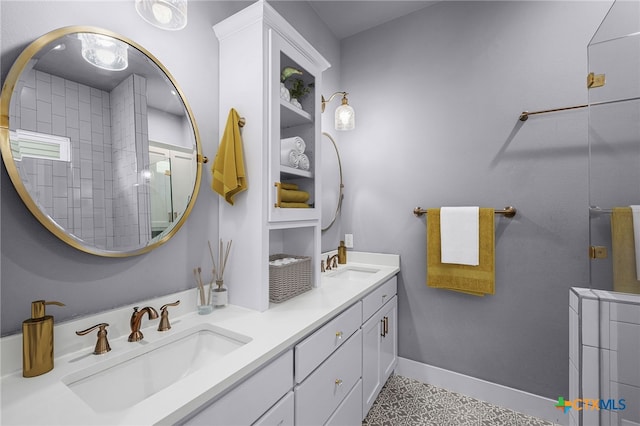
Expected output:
{"points": [[379, 341], [328, 372], [264, 398], [255, 45]]}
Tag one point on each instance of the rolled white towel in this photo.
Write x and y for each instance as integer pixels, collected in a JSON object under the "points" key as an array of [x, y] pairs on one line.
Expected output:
{"points": [[296, 143], [289, 158], [303, 162]]}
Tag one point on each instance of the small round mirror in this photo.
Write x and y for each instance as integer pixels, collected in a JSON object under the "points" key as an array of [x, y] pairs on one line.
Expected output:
{"points": [[332, 184], [99, 142]]}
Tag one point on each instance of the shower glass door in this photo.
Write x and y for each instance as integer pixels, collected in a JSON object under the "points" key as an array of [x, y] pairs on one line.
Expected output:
{"points": [[614, 148], [610, 364]]}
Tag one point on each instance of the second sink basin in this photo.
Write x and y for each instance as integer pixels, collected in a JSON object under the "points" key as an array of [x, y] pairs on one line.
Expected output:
{"points": [[354, 273], [142, 374]]}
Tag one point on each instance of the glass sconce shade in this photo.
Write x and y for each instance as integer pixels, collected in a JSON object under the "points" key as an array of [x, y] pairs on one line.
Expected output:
{"points": [[165, 14], [104, 52], [345, 117]]}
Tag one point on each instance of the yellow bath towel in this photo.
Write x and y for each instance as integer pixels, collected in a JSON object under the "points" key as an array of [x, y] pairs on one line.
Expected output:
{"points": [[623, 251], [295, 205], [476, 280], [293, 196], [229, 177], [284, 185]]}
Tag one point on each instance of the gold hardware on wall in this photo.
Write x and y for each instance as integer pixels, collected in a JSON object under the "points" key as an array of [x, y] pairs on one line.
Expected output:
{"points": [[167, 172], [597, 252], [595, 80]]}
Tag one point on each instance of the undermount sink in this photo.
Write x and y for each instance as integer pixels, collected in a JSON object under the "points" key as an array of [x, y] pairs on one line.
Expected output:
{"points": [[353, 273], [148, 370]]}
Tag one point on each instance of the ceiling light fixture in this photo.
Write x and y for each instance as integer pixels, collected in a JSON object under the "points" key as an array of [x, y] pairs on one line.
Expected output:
{"points": [[104, 52], [166, 14], [345, 117]]}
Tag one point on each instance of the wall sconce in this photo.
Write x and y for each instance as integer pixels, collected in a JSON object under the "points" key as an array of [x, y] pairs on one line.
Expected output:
{"points": [[104, 52], [345, 118], [165, 14]]}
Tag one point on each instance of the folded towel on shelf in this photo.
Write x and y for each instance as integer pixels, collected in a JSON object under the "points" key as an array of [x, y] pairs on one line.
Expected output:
{"points": [[303, 162], [289, 158], [459, 235], [293, 196], [635, 210], [623, 252], [295, 205], [285, 185], [475, 280], [295, 143], [229, 177]]}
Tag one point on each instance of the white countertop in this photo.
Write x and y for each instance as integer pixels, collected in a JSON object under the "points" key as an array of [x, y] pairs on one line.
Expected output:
{"points": [[47, 400]]}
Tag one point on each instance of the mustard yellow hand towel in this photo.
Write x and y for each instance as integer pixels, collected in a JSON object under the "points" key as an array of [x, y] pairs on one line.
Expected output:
{"points": [[476, 280], [623, 251], [229, 177]]}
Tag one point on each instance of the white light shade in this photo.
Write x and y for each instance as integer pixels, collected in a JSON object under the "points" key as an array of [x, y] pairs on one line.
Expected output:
{"points": [[345, 117], [165, 14], [104, 52]]}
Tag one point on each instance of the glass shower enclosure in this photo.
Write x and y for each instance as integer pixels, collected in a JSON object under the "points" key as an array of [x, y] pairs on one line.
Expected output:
{"points": [[604, 350]]}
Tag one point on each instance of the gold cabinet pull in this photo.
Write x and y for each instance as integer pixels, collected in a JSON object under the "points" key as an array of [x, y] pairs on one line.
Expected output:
{"points": [[382, 332], [338, 382], [339, 334]]}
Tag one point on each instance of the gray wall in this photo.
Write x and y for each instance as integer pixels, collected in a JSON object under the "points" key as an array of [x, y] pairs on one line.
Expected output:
{"points": [[35, 264], [437, 96]]}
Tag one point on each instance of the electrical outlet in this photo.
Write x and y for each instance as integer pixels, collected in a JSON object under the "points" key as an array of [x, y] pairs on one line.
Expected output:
{"points": [[348, 240]]}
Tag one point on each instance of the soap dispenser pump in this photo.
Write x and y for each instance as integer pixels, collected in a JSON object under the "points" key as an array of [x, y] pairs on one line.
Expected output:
{"points": [[342, 253], [37, 340]]}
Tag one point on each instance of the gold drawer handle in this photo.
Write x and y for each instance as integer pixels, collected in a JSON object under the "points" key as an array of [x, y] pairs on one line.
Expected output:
{"points": [[339, 334], [338, 382]]}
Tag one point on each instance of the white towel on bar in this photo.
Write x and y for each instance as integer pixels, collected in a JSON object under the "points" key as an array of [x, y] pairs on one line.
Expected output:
{"points": [[296, 143], [635, 214], [460, 235]]}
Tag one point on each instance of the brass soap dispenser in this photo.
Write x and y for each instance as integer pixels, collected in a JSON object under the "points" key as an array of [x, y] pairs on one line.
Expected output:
{"points": [[342, 253], [37, 340]]}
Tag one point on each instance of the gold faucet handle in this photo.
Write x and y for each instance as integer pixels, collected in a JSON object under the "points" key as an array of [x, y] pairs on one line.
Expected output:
{"points": [[102, 345], [164, 316]]}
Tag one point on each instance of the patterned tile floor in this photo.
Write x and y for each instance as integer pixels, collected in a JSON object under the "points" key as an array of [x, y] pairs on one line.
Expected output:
{"points": [[408, 402]]}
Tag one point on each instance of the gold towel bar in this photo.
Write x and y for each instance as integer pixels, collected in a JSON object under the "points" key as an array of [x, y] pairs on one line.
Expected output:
{"points": [[508, 211], [525, 114]]}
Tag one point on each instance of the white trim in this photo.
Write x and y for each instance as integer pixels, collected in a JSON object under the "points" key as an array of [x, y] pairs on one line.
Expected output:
{"points": [[493, 393]]}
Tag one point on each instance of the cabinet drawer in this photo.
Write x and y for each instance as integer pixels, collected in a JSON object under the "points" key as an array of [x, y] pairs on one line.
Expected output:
{"points": [[316, 348], [350, 411], [263, 390], [323, 391], [378, 297], [280, 414]]}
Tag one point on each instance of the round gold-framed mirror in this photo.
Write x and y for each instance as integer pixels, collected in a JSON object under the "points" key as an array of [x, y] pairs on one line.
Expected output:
{"points": [[99, 141]]}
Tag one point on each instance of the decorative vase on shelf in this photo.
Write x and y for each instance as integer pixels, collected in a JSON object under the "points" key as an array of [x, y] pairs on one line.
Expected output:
{"points": [[284, 92], [296, 103]]}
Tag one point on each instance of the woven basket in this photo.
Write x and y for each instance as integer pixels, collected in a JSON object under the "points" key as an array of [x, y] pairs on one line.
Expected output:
{"points": [[287, 281]]}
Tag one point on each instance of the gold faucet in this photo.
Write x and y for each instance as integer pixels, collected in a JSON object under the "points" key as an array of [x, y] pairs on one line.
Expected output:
{"points": [[332, 262], [102, 345], [136, 318], [164, 316]]}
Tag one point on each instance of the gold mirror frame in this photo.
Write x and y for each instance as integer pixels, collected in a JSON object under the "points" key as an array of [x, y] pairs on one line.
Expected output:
{"points": [[5, 146]]}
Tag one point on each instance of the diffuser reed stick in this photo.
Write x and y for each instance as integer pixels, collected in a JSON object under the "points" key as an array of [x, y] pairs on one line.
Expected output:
{"points": [[223, 256]]}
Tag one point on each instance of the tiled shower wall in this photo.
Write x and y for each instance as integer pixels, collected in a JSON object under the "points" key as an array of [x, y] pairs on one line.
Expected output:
{"points": [[130, 155], [604, 356], [80, 195]]}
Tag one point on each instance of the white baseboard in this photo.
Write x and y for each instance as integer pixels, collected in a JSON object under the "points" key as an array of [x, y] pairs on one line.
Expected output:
{"points": [[503, 396]]}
